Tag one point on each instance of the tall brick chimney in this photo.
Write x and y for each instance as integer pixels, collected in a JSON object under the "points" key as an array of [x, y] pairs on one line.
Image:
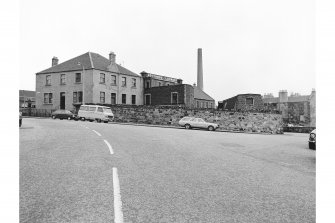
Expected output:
{"points": [[54, 61], [112, 57], [200, 82]]}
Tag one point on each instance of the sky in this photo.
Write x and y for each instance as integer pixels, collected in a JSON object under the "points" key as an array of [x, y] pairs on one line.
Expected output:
{"points": [[257, 46]]}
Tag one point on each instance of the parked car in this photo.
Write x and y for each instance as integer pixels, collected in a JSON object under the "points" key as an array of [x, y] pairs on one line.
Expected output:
{"points": [[20, 119], [63, 114], [95, 113], [192, 122], [312, 140]]}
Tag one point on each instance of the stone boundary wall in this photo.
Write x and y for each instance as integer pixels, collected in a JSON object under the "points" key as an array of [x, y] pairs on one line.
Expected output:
{"points": [[229, 121], [299, 129]]}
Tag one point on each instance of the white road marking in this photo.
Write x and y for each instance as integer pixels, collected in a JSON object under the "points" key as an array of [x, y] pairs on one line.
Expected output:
{"points": [[118, 215], [109, 146], [96, 133]]}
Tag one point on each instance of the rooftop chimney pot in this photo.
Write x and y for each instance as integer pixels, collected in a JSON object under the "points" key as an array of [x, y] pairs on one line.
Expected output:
{"points": [[112, 57], [54, 61]]}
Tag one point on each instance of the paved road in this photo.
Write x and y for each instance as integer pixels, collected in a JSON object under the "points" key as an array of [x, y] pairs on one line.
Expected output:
{"points": [[165, 175]]}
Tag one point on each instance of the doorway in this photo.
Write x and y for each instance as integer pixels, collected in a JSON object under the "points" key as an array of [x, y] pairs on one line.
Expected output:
{"points": [[62, 100]]}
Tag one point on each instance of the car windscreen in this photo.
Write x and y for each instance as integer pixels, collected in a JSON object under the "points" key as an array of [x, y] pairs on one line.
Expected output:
{"points": [[107, 110]]}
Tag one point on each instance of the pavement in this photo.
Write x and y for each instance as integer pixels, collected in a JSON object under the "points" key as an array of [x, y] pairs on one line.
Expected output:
{"points": [[68, 174], [162, 126]]}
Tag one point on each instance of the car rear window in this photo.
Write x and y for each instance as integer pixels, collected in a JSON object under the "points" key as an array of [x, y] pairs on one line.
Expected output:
{"points": [[186, 118]]}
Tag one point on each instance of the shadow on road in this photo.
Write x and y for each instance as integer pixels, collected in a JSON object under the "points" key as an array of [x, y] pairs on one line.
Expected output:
{"points": [[28, 127]]}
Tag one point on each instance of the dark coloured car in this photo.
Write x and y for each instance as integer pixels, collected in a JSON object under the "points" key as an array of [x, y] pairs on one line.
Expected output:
{"points": [[312, 140], [20, 119], [64, 114]]}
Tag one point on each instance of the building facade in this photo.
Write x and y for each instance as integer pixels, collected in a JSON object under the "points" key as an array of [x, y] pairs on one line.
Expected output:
{"points": [[27, 99], [163, 90], [88, 78], [295, 109], [242, 102]]}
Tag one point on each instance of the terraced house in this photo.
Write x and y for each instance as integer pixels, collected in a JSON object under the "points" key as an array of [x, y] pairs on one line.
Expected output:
{"points": [[88, 78]]}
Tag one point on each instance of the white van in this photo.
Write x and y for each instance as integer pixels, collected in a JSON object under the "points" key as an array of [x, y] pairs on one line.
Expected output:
{"points": [[95, 112]]}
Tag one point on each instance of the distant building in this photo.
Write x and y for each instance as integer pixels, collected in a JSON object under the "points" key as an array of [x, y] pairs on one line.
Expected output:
{"points": [[27, 99], [296, 109], [163, 90], [88, 78], [242, 102]]}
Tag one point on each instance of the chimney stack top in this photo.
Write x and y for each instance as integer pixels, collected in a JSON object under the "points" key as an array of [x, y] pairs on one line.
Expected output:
{"points": [[54, 61], [112, 57]]}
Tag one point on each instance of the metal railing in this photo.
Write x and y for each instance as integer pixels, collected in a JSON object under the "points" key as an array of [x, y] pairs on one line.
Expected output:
{"points": [[34, 112]]}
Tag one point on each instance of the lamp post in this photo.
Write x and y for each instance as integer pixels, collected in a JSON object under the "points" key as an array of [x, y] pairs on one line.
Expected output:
{"points": [[83, 82]]}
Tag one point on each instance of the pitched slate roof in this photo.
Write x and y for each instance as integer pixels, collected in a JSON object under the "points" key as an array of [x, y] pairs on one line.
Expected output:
{"points": [[199, 94], [90, 61]]}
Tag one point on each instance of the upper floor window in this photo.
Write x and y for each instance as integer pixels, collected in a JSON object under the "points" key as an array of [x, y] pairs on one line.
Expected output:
{"points": [[102, 97], [147, 84], [78, 77], [113, 80], [47, 98], [124, 82], [133, 82], [48, 80], [62, 79], [102, 78]]}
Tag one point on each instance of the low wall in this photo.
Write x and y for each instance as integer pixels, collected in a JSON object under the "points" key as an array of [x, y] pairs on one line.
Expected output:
{"points": [[34, 112], [230, 121], [298, 129]]}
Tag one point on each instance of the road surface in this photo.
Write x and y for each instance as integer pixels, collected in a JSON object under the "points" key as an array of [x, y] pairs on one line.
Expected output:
{"points": [[75, 171]]}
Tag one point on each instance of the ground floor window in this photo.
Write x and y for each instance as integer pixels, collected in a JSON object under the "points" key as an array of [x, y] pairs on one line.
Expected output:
{"points": [[174, 98], [133, 99], [124, 98], [113, 98], [47, 98], [77, 97], [102, 97], [147, 99], [249, 101]]}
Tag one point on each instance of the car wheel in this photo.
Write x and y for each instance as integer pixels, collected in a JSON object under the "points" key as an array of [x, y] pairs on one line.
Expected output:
{"points": [[83, 119], [187, 126], [61, 118], [311, 145], [210, 128], [68, 118], [53, 117], [98, 120], [91, 120], [105, 121]]}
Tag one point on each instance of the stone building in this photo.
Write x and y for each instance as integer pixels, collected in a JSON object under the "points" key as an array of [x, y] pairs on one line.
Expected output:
{"points": [[295, 109], [27, 99], [88, 78], [163, 90], [242, 102]]}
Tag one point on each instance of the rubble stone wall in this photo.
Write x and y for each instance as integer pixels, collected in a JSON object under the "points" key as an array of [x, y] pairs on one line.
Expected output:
{"points": [[230, 121]]}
